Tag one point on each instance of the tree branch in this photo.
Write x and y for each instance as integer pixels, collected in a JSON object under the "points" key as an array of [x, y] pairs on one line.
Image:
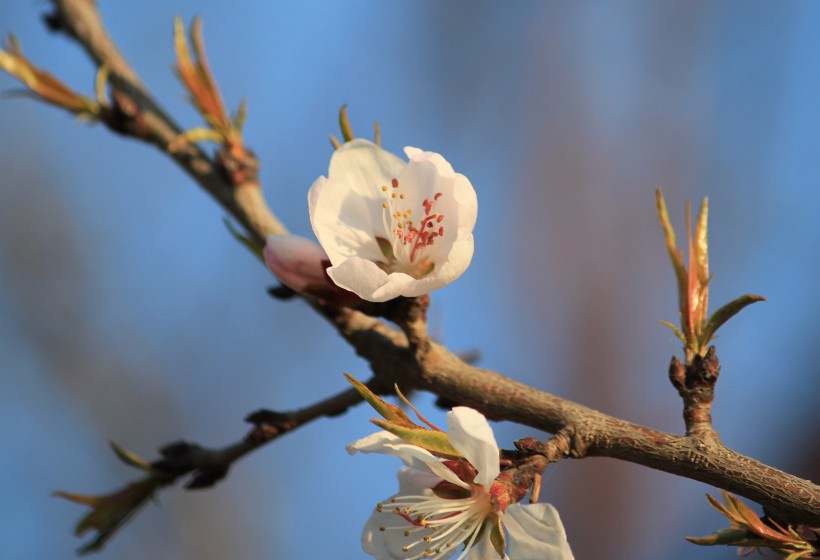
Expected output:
{"points": [[209, 466], [430, 366], [699, 457], [137, 114]]}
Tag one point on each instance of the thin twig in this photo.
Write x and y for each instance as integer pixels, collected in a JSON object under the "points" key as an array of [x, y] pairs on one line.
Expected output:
{"points": [[208, 466]]}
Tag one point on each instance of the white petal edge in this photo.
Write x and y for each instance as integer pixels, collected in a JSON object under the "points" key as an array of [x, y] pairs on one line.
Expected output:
{"points": [[411, 455], [469, 432], [536, 533], [368, 281], [414, 481], [442, 165], [457, 262], [364, 167], [343, 221]]}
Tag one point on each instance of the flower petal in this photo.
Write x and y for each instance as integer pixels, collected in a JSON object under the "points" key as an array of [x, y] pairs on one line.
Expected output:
{"points": [[536, 533], [383, 536], [457, 262], [368, 281], [415, 481], [411, 455], [469, 432], [364, 167], [343, 221], [442, 165]]}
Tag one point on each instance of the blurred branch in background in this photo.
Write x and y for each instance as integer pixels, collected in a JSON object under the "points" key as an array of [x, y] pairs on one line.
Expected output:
{"points": [[56, 308]]}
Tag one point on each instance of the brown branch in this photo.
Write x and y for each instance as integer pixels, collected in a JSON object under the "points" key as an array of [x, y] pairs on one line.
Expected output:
{"points": [[209, 466], [137, 114], [695, 383], [700, 457], [430, 366], [110, 512]]}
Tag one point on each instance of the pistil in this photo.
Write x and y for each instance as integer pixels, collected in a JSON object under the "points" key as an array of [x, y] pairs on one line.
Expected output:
{"points": [[414, 238]]}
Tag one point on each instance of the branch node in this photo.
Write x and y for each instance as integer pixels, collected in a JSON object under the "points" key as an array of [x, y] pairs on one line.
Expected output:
{"points": [[268, 424], [239, 167], [695, 383]]}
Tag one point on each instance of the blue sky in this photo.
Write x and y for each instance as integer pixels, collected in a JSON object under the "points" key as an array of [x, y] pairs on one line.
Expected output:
{"points": [[128, 312]]}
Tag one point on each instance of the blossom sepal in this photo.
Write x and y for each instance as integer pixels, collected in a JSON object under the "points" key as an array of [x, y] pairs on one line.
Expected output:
{"points": [[497, 538], [398, 423], [388, 411], [433, 441]]}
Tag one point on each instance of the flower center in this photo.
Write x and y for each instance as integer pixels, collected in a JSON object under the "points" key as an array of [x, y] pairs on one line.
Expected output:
{"points": [[437, 525], [408, 240]]}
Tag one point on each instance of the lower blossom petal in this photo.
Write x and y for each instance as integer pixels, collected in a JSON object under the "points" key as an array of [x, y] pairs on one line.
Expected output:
{"points": [[386, 535], [536, 533], [483, 550], [370, 282], [420, 525], [458, 259], [412, 479]]}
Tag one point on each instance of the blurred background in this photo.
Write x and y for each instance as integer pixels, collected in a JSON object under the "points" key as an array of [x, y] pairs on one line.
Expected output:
{"points": [[128, 313]]}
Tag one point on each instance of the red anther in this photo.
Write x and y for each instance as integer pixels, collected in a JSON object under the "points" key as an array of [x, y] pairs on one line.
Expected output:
{"points": [[441, 231], [437, 196], [395, 183], [439, 217]]}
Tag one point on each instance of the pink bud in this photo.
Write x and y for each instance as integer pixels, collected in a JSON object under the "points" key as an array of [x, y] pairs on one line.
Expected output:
{"points": [[301, 265]]}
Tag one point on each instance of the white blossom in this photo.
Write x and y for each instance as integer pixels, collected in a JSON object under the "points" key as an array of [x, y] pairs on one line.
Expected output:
{"points": [[443, 509], [393, 228]]}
